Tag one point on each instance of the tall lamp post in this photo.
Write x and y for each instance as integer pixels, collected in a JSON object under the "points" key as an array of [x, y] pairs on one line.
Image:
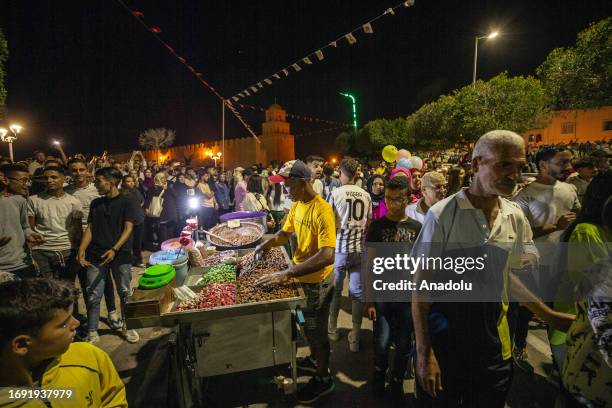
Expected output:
{"points": [[489, 37], [9, 136], [354, 107]]}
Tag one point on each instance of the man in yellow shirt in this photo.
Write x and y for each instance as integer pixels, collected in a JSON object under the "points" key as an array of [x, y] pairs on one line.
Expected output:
{"points": [[312, 220], [37, 353]]}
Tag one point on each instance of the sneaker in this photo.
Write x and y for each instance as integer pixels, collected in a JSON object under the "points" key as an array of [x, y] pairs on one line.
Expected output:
{"points": [[353, 341], [333, 335], [131, 335], [316, 388], [114, 321], [378, 383], [93, 337], [397, 392], [521, 359], [307, 364]]}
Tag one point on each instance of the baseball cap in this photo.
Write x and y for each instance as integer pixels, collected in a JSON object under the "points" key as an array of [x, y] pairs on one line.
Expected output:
{"points": [[293, 168]]}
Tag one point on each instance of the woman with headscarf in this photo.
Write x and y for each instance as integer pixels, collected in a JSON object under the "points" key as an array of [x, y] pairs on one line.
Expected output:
{"points": [[165, 222], [376, 188], [414, 181], [147, 183]]}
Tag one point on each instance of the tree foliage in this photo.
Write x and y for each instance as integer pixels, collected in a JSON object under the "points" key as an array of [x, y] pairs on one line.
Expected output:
{"points": [[156, 138], [3, 57], [580, 77], [503, 102]]}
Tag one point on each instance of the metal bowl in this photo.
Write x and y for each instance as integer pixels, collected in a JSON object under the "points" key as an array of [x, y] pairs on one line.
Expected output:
{"points": [[245, 228]]}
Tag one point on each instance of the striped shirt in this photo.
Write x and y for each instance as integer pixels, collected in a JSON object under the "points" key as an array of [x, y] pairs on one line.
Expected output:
{"points": [[353, 209]]}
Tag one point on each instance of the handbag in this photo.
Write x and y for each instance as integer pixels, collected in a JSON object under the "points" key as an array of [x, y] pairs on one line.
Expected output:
{"points": [[157, 205]]}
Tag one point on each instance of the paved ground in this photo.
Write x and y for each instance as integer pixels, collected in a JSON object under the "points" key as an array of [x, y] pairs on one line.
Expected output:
{"points": [[144, 367]]}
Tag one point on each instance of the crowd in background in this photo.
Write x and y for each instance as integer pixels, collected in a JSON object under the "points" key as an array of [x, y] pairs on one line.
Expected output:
{"points": [[54, 210]]}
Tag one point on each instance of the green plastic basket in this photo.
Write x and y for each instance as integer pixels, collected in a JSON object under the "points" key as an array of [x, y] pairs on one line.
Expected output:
{"points": [[156, 276]]}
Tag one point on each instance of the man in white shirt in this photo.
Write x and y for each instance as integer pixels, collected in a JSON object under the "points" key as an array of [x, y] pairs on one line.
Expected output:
{"points": [[550, 204], [433, 187], [585, 171], [57, 216], [353, 211], [464, 348], [316, 167]]}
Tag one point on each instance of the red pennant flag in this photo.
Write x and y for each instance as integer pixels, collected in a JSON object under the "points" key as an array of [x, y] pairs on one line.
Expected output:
{"points": [[155, 29], [169, 48], [137, 13]]}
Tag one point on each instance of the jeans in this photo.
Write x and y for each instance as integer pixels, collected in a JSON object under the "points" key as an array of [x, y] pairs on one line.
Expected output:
{"points": [[95, 289], [393, 319], [137, 233], [55, 264], [343, 263]]}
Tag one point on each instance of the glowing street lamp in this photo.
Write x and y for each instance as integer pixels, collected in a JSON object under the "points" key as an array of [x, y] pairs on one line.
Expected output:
{"points": [[491, 36], [9, 136], [354, 107]]}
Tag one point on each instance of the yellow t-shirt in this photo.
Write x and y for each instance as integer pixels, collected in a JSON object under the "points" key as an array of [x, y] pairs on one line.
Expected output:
{"points": [[315, 227]]}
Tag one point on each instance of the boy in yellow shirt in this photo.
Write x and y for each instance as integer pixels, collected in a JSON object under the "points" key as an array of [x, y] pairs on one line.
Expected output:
{"points": [[37, 353]]}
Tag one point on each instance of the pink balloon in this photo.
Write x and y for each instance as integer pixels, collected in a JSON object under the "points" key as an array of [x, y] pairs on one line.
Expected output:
{"points": [[402, 154]]}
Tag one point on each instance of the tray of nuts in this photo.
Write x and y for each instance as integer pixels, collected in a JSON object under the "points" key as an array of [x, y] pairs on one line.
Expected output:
{"points": [[247, 297]]}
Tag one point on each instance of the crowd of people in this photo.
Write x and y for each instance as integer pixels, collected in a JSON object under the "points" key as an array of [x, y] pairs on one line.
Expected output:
{"points": [[65, 220]]}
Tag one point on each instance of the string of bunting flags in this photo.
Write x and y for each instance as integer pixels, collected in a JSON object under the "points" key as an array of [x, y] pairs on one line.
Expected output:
{"points": [[323, 130], [292, 115], [317, 55], [156, 31]]}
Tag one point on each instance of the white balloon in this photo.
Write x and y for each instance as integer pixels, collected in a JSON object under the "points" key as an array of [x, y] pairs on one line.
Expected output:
{"points": [[417, 163]]}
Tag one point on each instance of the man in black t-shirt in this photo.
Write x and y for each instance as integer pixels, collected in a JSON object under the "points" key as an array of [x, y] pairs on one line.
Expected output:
{"points": [[392, 320], [106, 248]]}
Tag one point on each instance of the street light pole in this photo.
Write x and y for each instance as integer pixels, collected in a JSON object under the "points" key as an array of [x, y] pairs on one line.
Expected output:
{"points": [[490, 36], [354, 107], [9, 136]]}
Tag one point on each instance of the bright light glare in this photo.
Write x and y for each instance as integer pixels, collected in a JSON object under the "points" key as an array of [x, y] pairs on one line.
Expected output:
{"points": [[55, 142], [16, 128], [193, 203], [493, 35], [3, 132]]}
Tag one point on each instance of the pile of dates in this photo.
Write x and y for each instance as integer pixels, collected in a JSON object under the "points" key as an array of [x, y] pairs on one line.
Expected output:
{"points": [[237, 236], [216, 258], [213, 295], [248, 291]]}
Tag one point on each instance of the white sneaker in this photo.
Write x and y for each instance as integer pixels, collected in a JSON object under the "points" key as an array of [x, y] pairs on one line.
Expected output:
{"points": [[93, 337], [353, 341], [131, 335]]}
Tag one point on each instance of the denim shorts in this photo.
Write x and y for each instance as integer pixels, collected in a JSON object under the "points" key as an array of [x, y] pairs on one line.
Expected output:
{"points": [[316, 313]]}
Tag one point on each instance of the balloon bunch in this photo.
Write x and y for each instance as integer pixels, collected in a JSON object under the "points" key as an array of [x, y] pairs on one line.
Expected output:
{"points": [[403, 157]]}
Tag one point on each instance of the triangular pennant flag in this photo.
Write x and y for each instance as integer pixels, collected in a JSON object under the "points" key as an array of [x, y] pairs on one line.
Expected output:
{"points": [[319, 54], [409, 3], [276, 76], [390, 11], [268, 81], [246, 93], [181, 59], [259, 85], [170, 49], [235, 98], [137, 13], [155, 30], [350, 38], [307, 60], [240, 94], [253, 89], [333, 44], [296, 67], [285, 72], [367, 28]]}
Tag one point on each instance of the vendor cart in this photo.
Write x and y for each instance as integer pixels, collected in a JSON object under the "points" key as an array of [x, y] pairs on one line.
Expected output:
{"points": [[227, 339]]}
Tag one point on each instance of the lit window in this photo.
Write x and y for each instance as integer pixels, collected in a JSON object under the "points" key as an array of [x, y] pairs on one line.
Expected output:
{"points": [[567, 127]]}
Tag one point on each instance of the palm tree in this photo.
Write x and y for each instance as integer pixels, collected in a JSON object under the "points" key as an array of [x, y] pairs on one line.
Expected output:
{"points": [[156, 138]]}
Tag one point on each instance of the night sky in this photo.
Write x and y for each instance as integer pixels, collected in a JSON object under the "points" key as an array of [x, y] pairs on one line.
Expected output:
{"points": [[87, 73]]}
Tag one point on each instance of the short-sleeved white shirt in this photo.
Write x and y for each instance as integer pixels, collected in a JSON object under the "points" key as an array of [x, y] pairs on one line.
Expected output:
{"points": [[54, 218]]}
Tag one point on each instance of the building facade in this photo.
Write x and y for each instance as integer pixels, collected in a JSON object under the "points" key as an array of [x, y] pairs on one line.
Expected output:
{"points": [[276, 143], [574, 125]]}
